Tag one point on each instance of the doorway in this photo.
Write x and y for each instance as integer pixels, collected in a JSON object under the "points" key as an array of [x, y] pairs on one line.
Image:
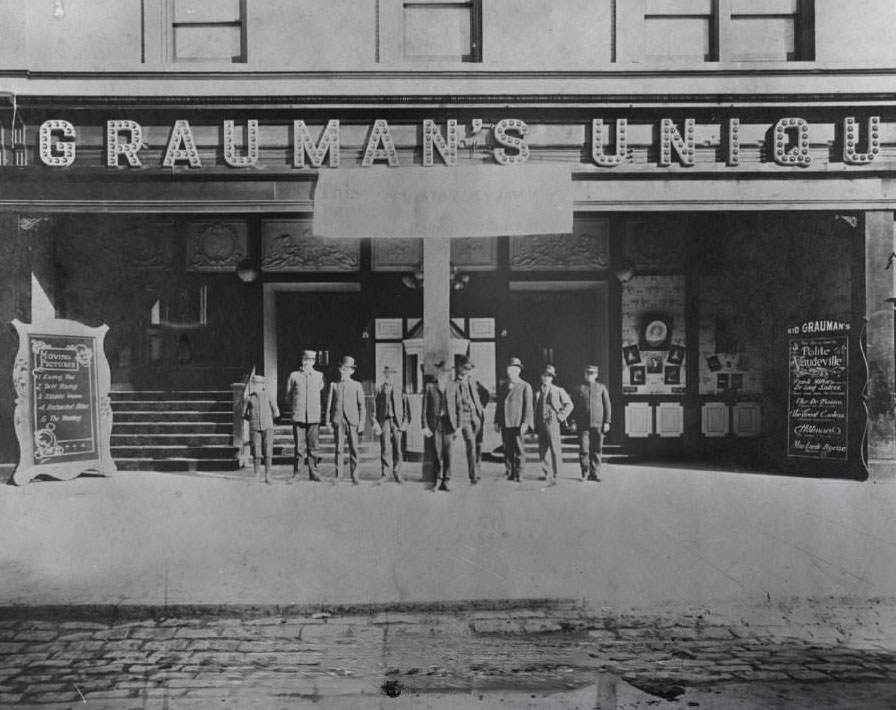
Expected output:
{"points": [[560, 323]]}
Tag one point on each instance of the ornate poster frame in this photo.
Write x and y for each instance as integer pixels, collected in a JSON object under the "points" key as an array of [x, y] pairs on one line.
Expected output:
{"points": [[23, 381]]}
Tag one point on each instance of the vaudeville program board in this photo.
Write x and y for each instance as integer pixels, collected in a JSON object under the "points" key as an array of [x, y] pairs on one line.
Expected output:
{"points": [[63, 415], [818, 415]]}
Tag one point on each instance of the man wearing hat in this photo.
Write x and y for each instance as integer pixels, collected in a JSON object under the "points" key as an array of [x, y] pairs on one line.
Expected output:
{"points": [[513, 418], [260, 411], [345, 413], [303, 392], [470, 416], [552, 406], [440, 421], [593, 412], [391, 414]]}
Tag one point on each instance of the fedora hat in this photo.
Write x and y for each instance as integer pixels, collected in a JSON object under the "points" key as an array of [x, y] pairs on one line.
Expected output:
{"points": [[309, 354], [515, 362], [467, 365], [348, 361], [592, 368], [389, 370], [444, 366], [549, 370]]}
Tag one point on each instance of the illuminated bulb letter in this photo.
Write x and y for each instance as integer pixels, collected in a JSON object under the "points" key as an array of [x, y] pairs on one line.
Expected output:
{"points": [[798, 154], [851, 154], [502, 137], [181, 135], [380, 134], [432, 137], [115, 146], [597, 144], [734, 141], [230, 155], [672, 139], [57, 154], [302, 144]]}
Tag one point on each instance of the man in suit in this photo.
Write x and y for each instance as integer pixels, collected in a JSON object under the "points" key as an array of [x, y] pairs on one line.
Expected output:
{"points": [[513, 418], [440, 421], [593, 414], [552, 406], [345, 413], [303, 392], [391, 414], [470, 415], [260, 411]]}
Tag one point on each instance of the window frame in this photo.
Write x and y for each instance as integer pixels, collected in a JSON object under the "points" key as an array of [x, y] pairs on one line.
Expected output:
{"points": [[170, 25], [391, 45]]}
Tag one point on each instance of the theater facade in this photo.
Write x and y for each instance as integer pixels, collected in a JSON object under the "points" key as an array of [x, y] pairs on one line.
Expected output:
{"points": [[716, 234]]}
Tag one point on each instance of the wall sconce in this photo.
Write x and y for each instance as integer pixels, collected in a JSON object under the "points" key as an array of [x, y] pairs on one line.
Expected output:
{"points": [[625, 272], [58, 9], [459, 281], [246, 272]]}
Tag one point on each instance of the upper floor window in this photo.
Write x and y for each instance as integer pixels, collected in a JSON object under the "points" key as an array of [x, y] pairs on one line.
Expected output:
{"points": [[431, 30], [208, 30], [719, 30]]}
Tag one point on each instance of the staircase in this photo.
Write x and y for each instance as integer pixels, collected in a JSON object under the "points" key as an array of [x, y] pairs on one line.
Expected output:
{"points": [[182, 430], [191, 430]]}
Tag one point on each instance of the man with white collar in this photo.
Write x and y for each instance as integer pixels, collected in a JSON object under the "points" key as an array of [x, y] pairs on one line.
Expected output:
{"points": [[552, 406], [303, 392], [514, 418], [345, 412], [391, 414]]}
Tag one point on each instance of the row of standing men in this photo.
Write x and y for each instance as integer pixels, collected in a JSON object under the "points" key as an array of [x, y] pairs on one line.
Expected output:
{"points": [[454, 405]]}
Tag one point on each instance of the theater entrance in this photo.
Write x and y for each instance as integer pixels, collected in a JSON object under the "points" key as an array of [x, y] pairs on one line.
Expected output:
{"points": [[560, 323]]}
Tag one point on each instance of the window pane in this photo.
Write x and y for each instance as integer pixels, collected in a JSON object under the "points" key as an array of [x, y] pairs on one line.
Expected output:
{"points": [[437, 31], [677, 38], [769, 38], [202, 42], [677, 7], [205, 11], [764, 7]]}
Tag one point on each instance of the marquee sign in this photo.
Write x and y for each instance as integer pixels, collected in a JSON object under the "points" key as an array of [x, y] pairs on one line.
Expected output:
{"points": [[508, 138], [63, 416]]}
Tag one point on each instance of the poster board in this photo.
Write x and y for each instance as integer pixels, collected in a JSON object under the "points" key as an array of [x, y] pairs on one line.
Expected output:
{"points": [[818, 389], [63, 415]]}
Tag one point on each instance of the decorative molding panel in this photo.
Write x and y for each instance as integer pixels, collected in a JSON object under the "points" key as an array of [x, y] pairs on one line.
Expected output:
{"points": [[649, 245], [747, 419], [715, 418], [150, 245], [397, 254], [475, 254], [638, 420], [669, 420], [587, 249], [216, 245], [290, 245]]}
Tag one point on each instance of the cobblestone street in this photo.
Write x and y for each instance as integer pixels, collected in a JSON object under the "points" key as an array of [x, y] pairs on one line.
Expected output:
{"points": [[523, 654]]}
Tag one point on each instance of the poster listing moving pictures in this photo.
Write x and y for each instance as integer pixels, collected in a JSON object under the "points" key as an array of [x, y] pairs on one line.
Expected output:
{"points": [[65, 398], [818, 390]]}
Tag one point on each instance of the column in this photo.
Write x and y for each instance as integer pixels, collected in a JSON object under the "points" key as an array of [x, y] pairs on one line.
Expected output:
{"points": [[880, 285], [436, 300]]}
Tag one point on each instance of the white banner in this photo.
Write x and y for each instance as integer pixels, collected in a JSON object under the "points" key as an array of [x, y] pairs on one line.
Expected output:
{"points": [[483, 201]]}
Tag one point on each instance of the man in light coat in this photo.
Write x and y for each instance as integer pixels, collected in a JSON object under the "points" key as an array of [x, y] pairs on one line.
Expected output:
{"points": [[552, 406], [514, 418], [345, 413], [303, 392]]}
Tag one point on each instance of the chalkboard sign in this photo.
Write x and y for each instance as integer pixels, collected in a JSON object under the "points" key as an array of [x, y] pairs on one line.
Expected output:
{"points": [[818, 415], [63, 414]]}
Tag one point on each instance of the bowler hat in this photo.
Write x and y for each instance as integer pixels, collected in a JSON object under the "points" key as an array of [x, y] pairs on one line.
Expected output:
{"points": [[549, 370], [444, 366], [309, 355], [592, 368], [466, 365], [348, 361], [515, 362]]}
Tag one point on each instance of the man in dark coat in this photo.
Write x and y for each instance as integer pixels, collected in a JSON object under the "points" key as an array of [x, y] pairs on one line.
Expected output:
{"points": [[391, 414], [440, 421], [514, 418], [470, 415], [345, 412], [303, 392], [592, 416]]}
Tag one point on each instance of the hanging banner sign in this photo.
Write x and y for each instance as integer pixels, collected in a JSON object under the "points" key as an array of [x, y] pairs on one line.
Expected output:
{"points": [[485, 201], [818, 412], [63, 414]]}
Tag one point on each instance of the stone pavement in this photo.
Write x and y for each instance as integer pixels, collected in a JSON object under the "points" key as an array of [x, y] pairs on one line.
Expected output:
{"points": [[539, 653]]}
